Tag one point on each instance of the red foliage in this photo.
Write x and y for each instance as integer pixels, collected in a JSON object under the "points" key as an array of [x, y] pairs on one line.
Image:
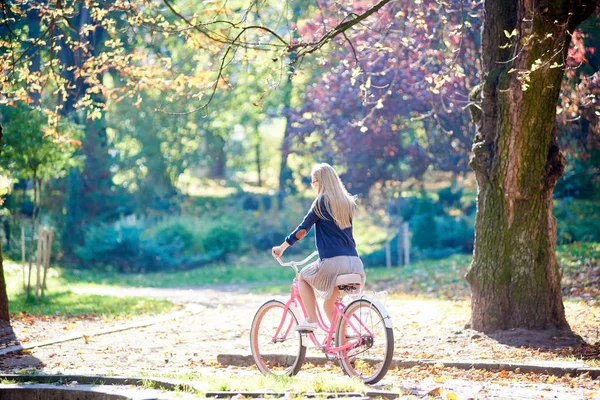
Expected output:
{"points": [[415, 62]]}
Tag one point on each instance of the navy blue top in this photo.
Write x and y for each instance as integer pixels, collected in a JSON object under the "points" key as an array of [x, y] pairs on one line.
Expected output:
{"points": [[331, 241]]}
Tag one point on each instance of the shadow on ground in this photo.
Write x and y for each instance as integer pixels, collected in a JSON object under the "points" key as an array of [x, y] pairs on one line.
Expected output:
{"points": [[14, 360], [561, 343]]}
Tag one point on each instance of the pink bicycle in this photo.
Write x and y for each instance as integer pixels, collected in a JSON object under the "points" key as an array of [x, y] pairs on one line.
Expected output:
{"points": [[361, 339]]}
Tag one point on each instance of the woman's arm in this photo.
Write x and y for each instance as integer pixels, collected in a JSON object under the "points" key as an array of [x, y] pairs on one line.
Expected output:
{"points": [[307, 223]]}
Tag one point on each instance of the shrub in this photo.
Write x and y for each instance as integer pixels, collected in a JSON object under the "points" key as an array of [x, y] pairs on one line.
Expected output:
{"points": [[268, 237], [254, 201], [450, 197], [170, 245], [109, 245], [578, 220], [175, 234], [580, 179], [456, 232], [223, 237]]}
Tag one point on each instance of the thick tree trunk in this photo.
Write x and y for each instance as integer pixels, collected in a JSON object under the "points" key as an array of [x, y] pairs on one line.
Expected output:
{"points": [[514, 277], [4, 315]]}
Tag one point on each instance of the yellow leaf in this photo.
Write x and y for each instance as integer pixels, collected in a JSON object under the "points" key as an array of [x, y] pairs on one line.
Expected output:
{"points": [[450, 396]]}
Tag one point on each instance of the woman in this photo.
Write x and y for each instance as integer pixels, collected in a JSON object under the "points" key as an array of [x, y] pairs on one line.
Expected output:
{"points": [[331, 213]]}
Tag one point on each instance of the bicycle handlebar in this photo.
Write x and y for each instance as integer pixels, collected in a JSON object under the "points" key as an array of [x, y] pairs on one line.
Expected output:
{"points": [[295, 264]]}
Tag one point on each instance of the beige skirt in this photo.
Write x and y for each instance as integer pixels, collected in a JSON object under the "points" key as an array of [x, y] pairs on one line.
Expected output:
{"points": [[321, 274]]}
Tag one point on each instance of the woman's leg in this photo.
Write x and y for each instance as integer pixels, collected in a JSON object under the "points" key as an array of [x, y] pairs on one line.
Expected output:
{"points": [[329, 305], [308, 298]]}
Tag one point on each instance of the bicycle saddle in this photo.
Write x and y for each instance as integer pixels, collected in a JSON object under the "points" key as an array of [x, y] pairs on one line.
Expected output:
{"points": [[348, 281]]}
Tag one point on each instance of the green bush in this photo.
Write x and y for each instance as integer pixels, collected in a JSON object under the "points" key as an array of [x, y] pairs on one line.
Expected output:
{"points": [[434, 233], [169, 245], [578, 220], [424, 225], [456, 232], [108, 245], [225, 238], [581, 178], [176, 234], [450, 197]]}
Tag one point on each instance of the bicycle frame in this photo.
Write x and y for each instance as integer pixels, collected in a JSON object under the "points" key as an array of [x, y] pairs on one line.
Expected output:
{"points": [[295, 300]]}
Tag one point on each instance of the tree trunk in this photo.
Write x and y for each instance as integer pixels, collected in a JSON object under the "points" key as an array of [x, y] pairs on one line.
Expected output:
{"points": [[216, 152], [285, 173], [33, 24], [258, 166], [4, 315], [514, 277], [286, 180], [33, 221]]}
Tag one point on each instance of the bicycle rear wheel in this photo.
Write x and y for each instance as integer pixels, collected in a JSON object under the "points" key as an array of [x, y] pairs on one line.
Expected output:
{"points": [[276, 347], [372, 342]]}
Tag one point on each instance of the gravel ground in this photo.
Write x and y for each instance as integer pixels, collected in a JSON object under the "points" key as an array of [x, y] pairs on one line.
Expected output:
{"points": [[220, 324]]}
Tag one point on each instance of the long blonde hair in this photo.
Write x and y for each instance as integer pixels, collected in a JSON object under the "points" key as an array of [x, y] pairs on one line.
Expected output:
{"points": [[338, 201]]}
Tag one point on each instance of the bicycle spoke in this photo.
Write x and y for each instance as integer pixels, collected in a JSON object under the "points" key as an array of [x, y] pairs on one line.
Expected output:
{"points": [[276, 348], [371, 342]]}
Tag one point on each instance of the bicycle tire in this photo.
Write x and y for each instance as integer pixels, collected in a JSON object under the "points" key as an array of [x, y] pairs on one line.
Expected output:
{"points": [[286, 354], [367, 353]]}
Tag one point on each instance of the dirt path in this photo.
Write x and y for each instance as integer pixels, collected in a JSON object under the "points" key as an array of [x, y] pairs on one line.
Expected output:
{"points": [[424, 329]]}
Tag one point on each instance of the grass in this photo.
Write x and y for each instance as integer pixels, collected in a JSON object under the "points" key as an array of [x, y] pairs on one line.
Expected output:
{"points": [[59, 299], [266, 274], [242, 272], [576, 256], [442, 278], [67, 303], [244, 382], [424, 277]]}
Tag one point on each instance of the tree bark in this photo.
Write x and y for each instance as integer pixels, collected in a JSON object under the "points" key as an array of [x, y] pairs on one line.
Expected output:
{"points": [[515, 279], [4, 315]]}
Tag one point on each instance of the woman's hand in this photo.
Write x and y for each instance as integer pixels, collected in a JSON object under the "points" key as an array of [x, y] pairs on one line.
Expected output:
{"points": [[277, 251]]}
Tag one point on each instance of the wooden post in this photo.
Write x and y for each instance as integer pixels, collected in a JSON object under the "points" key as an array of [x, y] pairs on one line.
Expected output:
{"points": [[39, 262], [31, 255], [23, 257], [388, 255], [406, 243], [48, 253], [399, 245]]}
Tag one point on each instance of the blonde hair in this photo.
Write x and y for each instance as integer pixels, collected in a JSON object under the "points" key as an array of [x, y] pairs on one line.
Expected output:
{"points": [[337, 200]]}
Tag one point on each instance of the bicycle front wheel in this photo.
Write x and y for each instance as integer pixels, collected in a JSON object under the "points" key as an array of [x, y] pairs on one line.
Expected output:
{"points": [[370, 342], [276, 347]]}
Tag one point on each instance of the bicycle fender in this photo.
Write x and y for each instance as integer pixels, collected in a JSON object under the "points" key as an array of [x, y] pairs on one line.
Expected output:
{"points": [[387, 320]]}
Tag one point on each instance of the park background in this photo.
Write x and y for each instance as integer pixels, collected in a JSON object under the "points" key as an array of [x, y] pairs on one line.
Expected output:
{"points": [[132, 188], [144, 186]]}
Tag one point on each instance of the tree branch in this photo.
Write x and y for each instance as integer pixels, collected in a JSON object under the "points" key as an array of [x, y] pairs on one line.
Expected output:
{"points": [[342, 27]]}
